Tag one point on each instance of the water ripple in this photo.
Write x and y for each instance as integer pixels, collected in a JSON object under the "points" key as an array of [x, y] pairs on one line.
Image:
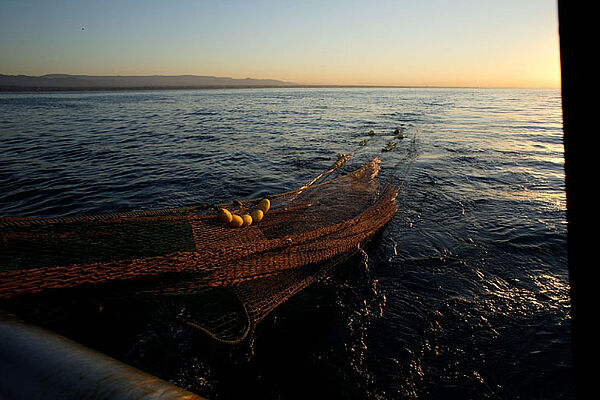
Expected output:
{"points": [[464, 293]]}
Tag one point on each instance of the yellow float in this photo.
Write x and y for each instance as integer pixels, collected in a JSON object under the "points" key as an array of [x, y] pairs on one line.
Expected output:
{"points": [[224, 216], [247, 219], [264, 205], [257, 215], [236, 221]]}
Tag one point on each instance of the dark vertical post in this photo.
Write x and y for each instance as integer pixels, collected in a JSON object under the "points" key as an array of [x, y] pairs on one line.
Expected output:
{"points": [[577, 47]]}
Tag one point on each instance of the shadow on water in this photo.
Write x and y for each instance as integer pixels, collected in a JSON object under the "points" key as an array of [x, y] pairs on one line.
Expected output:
{"points": [[300, 349]]}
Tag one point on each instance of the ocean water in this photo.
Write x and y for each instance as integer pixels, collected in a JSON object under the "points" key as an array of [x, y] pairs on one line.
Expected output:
{"points": [[464, 294]]}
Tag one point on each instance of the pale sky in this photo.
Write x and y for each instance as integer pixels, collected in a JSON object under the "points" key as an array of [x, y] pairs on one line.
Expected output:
{"points": [[489, 43]]}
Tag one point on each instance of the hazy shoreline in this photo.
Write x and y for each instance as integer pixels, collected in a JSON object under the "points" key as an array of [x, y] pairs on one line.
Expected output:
{"points": [[87, 83], [20, 89]]}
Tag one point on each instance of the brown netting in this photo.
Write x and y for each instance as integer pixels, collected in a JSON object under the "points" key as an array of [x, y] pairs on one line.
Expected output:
{"points": [[246, 271]]}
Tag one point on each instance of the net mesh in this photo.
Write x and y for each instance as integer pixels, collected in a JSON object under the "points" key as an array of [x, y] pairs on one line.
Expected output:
{"points": [[233, 276]]}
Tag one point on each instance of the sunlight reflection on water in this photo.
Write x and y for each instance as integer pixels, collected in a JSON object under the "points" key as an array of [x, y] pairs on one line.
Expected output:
{"points": [[466, 290]]}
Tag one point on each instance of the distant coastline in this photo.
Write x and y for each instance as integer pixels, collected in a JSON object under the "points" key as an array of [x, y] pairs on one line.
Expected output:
{"points": [[65, 82], [89, 83]]}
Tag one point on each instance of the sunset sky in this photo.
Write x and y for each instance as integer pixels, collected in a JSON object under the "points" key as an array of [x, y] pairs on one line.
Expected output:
{"points": [[499, 43]]}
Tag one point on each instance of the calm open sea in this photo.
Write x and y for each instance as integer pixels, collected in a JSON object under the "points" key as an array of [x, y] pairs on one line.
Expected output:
{"points": [[465, 293]]}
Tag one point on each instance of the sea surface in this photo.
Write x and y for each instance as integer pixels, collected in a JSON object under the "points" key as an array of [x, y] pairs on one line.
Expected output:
{"points": [[464, 295]]}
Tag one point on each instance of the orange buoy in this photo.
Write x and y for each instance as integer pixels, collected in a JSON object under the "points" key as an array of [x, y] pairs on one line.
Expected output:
{"points": [[236, 221]]}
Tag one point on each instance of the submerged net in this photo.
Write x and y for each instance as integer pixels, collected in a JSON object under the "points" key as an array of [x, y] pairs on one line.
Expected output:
{"points": [[233, 277]]}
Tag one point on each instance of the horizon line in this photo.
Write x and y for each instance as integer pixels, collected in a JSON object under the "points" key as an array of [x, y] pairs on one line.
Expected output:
{"points": [[29, 89]]}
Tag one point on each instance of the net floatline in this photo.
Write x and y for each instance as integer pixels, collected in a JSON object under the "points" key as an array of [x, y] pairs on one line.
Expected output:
{"points": [[306, 231], [173, 213]]}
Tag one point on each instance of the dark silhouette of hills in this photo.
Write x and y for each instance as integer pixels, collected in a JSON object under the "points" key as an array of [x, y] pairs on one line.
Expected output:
{"points": [[89, 82]]}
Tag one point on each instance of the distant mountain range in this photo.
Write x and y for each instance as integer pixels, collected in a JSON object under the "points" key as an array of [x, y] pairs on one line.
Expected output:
{"points": [[89, 82]]}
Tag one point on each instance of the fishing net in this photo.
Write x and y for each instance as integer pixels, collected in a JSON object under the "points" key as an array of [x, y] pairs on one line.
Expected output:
{"points": [[231, 277]]}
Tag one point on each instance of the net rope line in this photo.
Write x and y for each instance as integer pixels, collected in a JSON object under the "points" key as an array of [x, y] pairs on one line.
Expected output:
{"points": [[164, 213], [309, 225]]}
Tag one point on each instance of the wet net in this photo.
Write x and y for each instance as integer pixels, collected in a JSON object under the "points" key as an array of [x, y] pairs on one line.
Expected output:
{"points": [[231, 277]]}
